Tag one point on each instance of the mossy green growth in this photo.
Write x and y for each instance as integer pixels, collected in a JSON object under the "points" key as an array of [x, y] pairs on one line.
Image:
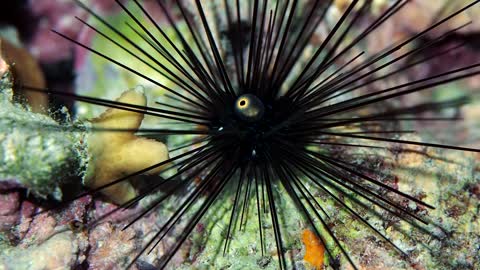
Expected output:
{"points": [[445, 179], [244, 250], [35, 151]]}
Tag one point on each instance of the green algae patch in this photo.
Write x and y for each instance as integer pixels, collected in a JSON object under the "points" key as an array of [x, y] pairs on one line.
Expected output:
{"points": [[36, 152]]}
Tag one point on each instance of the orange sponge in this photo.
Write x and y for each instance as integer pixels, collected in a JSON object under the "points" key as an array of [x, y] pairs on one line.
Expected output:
{"points": [[314, 249]]}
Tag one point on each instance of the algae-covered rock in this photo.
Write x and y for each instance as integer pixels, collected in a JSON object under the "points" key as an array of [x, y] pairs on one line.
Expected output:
{"points": [[61, 251], [35, 151]]}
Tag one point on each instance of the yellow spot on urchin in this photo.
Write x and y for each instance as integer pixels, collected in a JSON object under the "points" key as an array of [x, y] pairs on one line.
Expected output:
{"points": [[314, 250], [115, 154], [243, 103]]}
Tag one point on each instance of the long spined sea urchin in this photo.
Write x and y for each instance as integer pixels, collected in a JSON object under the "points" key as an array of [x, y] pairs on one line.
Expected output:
{"points": [[268, 107]]}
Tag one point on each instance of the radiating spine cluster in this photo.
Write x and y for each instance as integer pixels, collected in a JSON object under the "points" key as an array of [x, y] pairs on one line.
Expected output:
{"points": [[267, 116]]}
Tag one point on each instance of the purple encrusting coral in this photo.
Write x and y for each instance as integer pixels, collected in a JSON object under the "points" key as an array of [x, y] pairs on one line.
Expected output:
{"points": [[60, 15]]}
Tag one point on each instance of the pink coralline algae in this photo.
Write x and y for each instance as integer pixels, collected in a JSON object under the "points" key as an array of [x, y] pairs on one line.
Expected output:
{"points": [[9, 205], [58, 15], [110, 246]]}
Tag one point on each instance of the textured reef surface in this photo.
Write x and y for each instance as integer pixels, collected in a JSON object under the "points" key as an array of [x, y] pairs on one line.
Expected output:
{"points": [[44, 160], [453, 188]]}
